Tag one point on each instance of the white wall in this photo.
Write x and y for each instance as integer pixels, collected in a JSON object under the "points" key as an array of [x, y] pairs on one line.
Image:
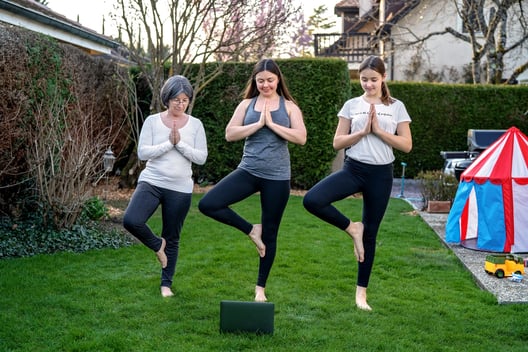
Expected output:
{"points": [[439, 53]]}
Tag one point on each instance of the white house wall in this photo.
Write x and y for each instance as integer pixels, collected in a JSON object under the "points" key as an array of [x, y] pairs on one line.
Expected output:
{"points": [[439, 53]]}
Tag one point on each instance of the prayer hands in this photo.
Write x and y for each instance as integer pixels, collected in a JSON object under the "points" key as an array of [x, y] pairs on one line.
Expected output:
{"points": [[368, 125], [174, 136], [265, 115], [373, 117]]}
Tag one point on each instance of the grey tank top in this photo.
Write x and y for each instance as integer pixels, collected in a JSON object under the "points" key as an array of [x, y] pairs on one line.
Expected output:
{"points": [[266, 154]]}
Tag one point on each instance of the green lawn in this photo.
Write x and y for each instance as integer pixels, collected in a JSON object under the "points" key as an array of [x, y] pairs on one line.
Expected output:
{"points": [[108, 300]]}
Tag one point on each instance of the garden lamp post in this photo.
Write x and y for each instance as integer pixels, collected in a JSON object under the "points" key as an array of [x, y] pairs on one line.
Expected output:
{"points": [[108, 165], [108, 160]]}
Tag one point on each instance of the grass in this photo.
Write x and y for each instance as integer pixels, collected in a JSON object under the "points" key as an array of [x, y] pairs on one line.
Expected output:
{"points": [[108, 300]]}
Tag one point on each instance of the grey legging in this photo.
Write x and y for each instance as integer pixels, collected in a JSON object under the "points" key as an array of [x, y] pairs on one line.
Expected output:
{"points": [[174, 209]]}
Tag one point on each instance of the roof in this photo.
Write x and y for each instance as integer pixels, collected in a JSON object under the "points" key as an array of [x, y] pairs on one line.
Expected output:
{"points": [[396, 10], [36, 17], [504, 160], [348, 3], [346, 6]]}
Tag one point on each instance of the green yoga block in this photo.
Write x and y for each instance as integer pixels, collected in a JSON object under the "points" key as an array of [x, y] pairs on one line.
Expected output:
{"points": [[238, 316]]}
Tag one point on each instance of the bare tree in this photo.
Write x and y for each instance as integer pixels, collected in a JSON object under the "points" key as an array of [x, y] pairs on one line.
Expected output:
{"points": [[303, 38], [493, 28], [191, 31], [486, 25], [63, 157]]}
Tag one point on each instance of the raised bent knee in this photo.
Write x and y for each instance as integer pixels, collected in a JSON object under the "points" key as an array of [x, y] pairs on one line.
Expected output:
{"points": [[309, 203], [204, 207], [129, 224]]}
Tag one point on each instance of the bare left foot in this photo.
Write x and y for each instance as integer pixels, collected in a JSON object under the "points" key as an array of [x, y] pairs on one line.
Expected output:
{"points": [[260, 296], [355, 230], [162, 257], [361, 298], [256, 237], [166, 291]]}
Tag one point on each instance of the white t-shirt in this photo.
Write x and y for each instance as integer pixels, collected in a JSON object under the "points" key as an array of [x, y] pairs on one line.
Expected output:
{"points": [[371, 149], [169, 166]]}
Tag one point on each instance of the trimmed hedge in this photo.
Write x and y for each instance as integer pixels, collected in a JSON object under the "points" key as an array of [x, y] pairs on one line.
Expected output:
{"points": [[441, 114]]}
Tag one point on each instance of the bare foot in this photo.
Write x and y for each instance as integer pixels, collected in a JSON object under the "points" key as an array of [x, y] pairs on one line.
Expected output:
{"points": [[361, 298], [256, 237], [260, 296], [166, 291], [162, 257], [355, 230]]}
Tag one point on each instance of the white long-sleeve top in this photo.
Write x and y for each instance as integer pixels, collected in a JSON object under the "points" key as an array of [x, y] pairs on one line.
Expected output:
{"points": [[169, 166]]}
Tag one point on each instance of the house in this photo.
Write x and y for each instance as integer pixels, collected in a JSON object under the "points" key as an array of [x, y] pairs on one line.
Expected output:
{"points": [[391, 28], [36, 17]]}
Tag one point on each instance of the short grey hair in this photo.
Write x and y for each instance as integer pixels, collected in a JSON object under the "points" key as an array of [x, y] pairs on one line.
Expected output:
{"points": [[175, 86]]}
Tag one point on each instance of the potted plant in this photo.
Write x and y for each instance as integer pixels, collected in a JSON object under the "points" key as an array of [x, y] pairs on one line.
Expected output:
{"points": [[438, 190]]}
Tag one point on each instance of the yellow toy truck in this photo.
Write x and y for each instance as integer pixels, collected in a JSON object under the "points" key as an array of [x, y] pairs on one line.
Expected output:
{"points": [[504, 265]]}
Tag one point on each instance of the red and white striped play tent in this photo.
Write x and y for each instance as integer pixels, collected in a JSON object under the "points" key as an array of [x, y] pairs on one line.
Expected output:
{"points": [[490, 210]]}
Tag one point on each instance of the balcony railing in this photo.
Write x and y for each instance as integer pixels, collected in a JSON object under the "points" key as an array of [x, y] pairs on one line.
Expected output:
{"points": [[353, 48]]}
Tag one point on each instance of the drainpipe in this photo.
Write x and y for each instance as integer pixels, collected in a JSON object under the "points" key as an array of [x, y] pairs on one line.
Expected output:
{"points": [[381, 25], [392, 58]]}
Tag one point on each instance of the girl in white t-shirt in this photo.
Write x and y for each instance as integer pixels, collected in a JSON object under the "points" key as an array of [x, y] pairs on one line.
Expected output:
{"points": [[369, 127]]}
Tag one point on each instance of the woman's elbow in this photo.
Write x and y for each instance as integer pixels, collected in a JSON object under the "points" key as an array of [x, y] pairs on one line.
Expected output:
{"points": [[141, 155], [229, 137]]}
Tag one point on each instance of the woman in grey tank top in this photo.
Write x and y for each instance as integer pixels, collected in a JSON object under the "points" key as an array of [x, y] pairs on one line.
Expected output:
{"points": [[268, 118]]}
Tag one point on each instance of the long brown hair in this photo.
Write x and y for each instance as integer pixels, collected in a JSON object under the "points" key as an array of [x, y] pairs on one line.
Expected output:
{"points": [[269, 65], [376, 63]]}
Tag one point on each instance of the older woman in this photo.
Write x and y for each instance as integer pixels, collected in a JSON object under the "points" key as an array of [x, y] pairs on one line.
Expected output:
{"points": [[170, 141]]}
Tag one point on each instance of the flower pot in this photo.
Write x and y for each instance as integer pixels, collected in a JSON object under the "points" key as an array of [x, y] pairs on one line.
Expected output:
{"points": [[438, 206]]}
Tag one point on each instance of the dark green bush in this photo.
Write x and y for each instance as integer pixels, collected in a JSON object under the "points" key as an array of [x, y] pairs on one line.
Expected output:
{"points": [[436, 185], [95, 209], [441, 116], [30, 237]]}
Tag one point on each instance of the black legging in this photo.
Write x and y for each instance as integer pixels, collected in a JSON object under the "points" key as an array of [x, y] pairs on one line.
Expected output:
{"points": [[375, 184], [237, 186]]}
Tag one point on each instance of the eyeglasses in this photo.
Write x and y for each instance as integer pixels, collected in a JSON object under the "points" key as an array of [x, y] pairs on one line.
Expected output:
{"points": [[179, 102]]}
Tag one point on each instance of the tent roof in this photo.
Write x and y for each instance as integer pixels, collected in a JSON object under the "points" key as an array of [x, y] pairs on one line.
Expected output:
{"points": [[504, 160]]}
